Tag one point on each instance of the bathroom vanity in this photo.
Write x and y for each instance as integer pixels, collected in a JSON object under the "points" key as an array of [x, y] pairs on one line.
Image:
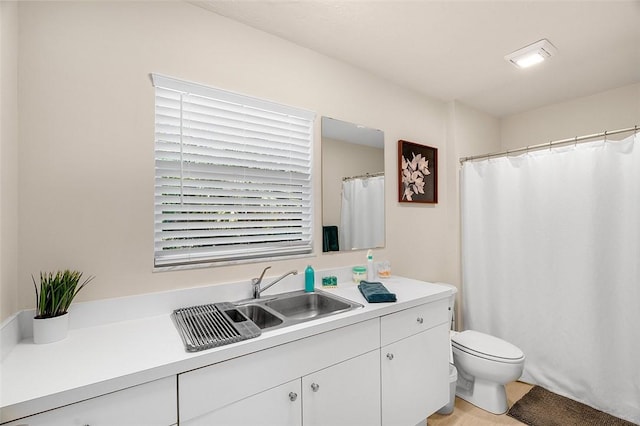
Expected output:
{"points": [[381, 364]]}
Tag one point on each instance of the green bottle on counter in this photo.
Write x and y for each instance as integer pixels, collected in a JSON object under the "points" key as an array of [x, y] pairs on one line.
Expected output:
{"points": [[309, 279]]}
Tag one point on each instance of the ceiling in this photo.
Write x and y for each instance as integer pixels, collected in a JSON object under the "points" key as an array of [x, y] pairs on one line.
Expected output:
{"points": [[454, 50]]}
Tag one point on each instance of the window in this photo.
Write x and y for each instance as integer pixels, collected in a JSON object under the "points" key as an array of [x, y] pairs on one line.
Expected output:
{"points": [[232, 176]]}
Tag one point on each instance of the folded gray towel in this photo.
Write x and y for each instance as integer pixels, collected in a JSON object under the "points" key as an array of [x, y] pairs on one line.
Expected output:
{"points": [[375, 292]]}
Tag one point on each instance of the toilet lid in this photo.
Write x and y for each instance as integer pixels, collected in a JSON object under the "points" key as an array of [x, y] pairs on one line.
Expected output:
{"points": [[486, 346]]}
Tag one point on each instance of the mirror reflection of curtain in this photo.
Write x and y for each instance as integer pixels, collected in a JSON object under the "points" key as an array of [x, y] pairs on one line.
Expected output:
{"points": [[362, 213]]}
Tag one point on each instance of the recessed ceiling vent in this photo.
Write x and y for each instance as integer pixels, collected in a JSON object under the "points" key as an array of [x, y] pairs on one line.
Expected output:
{"points": [[531, 54]]}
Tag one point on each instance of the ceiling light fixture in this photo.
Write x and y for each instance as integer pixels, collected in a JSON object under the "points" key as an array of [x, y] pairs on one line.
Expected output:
{"points": [[531, 54]]}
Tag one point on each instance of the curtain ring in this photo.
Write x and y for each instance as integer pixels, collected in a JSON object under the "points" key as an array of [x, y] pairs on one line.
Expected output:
{"points": [[575, 142]]}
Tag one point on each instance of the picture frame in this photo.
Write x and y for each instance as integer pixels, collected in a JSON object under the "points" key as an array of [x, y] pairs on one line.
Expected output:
{"points": [[417, 173]]}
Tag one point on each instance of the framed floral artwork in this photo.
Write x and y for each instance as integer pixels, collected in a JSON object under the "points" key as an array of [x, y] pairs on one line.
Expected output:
{"points": [[418, 173]]}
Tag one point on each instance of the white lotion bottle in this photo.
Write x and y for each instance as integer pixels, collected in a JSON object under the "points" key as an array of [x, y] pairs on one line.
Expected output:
{"points": [[371, 275]]}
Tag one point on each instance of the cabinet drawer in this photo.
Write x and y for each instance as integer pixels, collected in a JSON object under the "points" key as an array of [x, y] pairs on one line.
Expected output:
{"points": [[399, 325], [153, 403]]}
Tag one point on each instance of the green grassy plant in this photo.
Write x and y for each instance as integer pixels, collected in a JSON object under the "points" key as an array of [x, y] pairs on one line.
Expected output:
{"points": [[57, 291]]}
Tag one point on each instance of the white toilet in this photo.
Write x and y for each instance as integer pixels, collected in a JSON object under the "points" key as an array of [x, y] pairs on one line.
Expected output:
{"points": [[485, 364]]}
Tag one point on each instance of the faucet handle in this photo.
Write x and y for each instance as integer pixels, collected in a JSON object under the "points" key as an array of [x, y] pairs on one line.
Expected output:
{"points": [[259, 280]]}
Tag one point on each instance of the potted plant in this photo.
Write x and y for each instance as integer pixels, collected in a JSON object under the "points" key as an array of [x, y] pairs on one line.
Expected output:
{"points": [[53, 298]]}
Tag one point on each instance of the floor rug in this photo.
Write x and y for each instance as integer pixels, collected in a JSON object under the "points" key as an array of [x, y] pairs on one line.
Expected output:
{"points": [[539, 407]]}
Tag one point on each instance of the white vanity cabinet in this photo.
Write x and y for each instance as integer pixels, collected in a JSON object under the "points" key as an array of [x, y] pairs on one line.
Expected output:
{"points": [[414, 362], [346, 394], [152, 404], [273, 385], [391, 370]]}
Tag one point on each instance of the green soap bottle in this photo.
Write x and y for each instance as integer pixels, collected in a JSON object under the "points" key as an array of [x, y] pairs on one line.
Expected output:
{"points": [[309, 279]]}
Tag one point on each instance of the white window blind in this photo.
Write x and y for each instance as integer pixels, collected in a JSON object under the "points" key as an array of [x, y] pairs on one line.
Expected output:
{"points": [[232, 176]]}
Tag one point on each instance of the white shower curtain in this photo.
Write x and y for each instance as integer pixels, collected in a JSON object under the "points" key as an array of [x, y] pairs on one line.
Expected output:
{"points": [[551, 263], [362, 213]]}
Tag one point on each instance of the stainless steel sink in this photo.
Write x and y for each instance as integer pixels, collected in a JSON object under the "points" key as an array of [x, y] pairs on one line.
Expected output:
{"points": [[307, 305], [293, 308], [260, 316], [216, 324]]}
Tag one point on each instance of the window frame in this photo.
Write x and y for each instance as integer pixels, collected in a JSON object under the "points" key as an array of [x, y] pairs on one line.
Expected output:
{"points": [[297, 239]]}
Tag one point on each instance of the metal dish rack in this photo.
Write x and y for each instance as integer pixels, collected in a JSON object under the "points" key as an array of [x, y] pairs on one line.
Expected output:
{"points": [[208, 326]]}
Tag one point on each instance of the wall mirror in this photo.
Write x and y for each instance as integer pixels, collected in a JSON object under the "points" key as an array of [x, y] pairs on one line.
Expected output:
{"points": [[352, 186]]}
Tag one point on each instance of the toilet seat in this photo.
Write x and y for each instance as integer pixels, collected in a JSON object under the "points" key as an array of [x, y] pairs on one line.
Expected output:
{"points": [[487, 347]]}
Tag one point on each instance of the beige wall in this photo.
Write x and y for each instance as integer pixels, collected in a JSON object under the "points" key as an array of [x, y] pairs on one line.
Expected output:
{"points": [[469, 132], [613, 109], [343, 159], [86, 138], [83, 184], [8, 159]]}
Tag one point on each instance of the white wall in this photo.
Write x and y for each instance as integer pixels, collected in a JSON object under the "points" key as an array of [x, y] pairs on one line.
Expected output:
{"points": [[8, 158], [610, 110], [86, 138]]}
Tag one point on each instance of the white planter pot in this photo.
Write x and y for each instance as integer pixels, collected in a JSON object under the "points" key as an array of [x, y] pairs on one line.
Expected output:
{"points": [[48, 330]]}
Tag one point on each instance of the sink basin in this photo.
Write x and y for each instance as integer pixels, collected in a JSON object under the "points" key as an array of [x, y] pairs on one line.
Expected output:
{"points": [[285, 309], [307, 305], [260, 316]]}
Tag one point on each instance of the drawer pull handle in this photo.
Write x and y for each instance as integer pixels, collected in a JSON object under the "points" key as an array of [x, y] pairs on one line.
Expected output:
{"points": [[315, 387], [389, 356], [293, 396], [420, 320]]}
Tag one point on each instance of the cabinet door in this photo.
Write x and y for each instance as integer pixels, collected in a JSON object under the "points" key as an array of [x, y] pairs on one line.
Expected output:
{"points": [[278, 406], [347, 393], [415, 377], [152, 403]]}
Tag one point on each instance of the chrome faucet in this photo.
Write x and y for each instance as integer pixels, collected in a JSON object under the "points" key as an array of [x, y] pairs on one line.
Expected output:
{"points": [[255, 282]]}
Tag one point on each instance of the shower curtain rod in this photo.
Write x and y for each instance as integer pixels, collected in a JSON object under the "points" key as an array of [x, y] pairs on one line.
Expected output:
{"points": [[551, 144], [366, 175]]}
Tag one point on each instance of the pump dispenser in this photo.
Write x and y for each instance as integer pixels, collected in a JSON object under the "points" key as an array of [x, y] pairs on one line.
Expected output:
{"points": [[371, 275]]}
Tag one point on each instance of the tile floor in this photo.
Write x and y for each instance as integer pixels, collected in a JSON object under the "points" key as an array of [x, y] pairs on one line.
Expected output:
{"points": [[466, 414]]}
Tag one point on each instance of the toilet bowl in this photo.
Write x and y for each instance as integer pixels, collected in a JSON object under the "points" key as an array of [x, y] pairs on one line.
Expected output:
{"points": [[485, 364]]}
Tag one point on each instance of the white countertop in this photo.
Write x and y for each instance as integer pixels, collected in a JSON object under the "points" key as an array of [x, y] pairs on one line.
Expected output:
{"points": [[103, 358]]}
